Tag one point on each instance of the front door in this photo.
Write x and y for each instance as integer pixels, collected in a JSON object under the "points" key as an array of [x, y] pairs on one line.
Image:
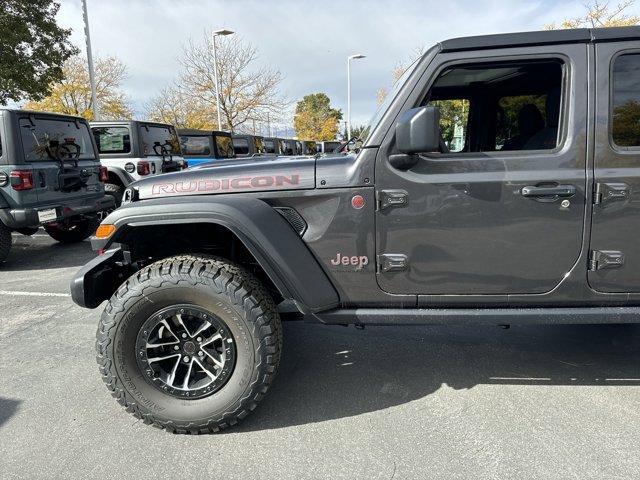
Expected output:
{"points": [[500, 209], [615, 249]]}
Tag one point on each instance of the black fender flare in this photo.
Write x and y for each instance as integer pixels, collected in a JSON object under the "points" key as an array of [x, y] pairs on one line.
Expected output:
{"points": [[265, 233]]}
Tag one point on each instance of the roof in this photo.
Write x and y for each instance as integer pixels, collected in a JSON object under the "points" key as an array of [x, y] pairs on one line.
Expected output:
{"points": [[194, 131], [24, 111], [544, 37]]}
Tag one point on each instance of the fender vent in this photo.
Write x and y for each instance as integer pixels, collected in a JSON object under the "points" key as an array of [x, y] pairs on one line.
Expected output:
{"points": [[294, 219]]}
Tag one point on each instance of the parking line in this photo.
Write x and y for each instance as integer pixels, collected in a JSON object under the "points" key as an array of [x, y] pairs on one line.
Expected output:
{"points": [[33, 294]]}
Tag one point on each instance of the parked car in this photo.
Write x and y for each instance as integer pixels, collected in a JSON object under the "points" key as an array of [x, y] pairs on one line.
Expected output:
{"points": [[132, 149], [246, 145], [326, 148], [204, 146], [526, 211], [50, 176]]}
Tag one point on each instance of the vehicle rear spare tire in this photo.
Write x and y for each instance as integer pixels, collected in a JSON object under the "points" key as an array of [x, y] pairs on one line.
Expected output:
{"points": [[73, 231], [116, 191], [5, 242], [190, 344]]}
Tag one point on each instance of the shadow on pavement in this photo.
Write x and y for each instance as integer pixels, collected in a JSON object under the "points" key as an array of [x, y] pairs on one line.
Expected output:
{"points": [[8, 409], [43, 253], [334, 372]]}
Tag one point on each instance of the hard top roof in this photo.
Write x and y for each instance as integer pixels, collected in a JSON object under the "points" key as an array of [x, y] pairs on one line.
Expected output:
{"points": [[127, 122], [194, 131], [22, 111], [544, 37]]}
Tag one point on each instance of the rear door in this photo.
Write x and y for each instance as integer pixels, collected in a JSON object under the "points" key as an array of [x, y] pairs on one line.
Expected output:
{"points": [[615, 245], [502, 210], [46, 140]]}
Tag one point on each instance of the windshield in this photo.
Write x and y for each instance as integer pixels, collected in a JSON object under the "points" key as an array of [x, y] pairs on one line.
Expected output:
{"points": [[40, 134], [225, 146], [156, 135], [390, 96]]}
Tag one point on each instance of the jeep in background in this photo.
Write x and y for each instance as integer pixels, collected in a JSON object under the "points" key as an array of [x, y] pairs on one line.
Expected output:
{"points": [[308, 147], [203, 146], [291, 147], [50, 176], [327, 148], [246, 145], [132, 149], [500, 184], [272, 145]]}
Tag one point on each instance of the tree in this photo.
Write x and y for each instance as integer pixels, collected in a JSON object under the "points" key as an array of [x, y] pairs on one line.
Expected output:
{"points": [[72, 95], [173, 106], [315, 119], [32, 48], [248, 94], [601, 14]]}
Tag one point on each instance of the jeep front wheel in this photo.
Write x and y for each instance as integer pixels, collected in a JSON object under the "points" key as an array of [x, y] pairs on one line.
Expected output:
{"points": [[190, 344]]}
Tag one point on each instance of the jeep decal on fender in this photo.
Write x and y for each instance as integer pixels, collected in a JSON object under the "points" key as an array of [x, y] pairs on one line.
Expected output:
{"points": [[226, 184]]}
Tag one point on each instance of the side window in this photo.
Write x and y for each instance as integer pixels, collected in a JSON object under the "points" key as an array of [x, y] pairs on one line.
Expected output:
{"points": [[241, 146], [507, 106], [112, 139], [195, 145], [625, 101]]}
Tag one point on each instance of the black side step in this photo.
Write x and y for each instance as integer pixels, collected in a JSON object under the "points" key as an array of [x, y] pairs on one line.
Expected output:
{"points": [[479, 316]]}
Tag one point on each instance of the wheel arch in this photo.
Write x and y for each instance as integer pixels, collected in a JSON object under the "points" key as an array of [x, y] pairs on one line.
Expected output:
{"points": [[270, 240]]}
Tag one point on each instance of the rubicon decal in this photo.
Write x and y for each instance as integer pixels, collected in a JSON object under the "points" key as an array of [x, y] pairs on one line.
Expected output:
{"points": [[261, 182], [358, 261]]}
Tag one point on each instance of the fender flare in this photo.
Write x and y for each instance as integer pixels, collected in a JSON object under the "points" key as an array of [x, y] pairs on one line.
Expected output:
{"points": [[122, 175], [275, 245]]}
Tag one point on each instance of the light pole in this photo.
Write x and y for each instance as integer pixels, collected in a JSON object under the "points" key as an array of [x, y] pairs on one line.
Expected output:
{"points": [[217, 33], [92, 77], [351, 57]]}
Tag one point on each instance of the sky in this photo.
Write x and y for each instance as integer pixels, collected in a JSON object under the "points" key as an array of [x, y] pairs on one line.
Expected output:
{"points": [[308, 41]]}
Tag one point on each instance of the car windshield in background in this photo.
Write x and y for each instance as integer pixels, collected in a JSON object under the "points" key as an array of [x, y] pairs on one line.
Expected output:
{"points": [[195, 145], [224, 146], [41, 135], [158, 136], [112, 139]]}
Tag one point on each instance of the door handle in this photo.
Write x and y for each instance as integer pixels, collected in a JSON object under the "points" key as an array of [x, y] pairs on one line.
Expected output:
{"points": [[549, 191]]}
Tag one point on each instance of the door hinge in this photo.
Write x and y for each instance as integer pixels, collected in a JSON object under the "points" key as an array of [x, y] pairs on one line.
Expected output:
{"points": [[392, 262], [392, 198], [610, 192], [604, 259]]}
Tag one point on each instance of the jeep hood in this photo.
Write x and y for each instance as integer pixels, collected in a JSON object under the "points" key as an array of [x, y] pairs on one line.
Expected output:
{"points": [[253, 174]]}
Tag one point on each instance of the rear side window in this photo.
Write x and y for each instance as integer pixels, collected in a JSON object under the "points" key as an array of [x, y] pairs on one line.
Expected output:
{"points": [[241, 146], [195, 145], [625, 101], [259, 146], [42, 136], [112, 139], [224, 146], [269, 146], [155, 137]]}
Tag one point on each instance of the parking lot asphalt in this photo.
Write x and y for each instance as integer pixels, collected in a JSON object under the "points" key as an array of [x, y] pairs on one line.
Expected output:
{"points": [[420, 402]]}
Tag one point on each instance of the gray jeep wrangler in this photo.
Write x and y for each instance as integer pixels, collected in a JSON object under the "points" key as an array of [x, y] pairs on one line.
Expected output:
{"points": [[132, 149], [49, 176], [500, 184]]}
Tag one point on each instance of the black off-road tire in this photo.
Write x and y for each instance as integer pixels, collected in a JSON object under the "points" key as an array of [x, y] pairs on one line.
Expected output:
{"points": [[5, 242], [228, 291], [116, 191], [73, 232]]}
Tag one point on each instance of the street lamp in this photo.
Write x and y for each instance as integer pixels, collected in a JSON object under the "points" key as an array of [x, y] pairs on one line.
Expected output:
{"points": [[92, 77], [222, 33], [351, 57]]}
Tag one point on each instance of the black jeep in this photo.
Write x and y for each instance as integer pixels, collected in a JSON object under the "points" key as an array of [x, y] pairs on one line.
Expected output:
{"points": [[50, 176], [500, 184]]}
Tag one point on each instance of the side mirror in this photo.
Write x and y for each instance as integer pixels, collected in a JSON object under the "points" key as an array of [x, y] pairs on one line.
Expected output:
{"points": [[418, 131]]}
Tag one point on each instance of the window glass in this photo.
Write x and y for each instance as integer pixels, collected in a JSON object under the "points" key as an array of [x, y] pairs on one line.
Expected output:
{"points": [[224, 146], [112, 139], [195, 145], [154, 137], [494, 107], [625, 125], [39, 138], [258, 145], [241, 146], [269, 146]]}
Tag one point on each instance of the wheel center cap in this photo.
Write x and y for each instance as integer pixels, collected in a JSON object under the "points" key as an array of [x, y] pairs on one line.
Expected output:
{"points": [[189, 347]]}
